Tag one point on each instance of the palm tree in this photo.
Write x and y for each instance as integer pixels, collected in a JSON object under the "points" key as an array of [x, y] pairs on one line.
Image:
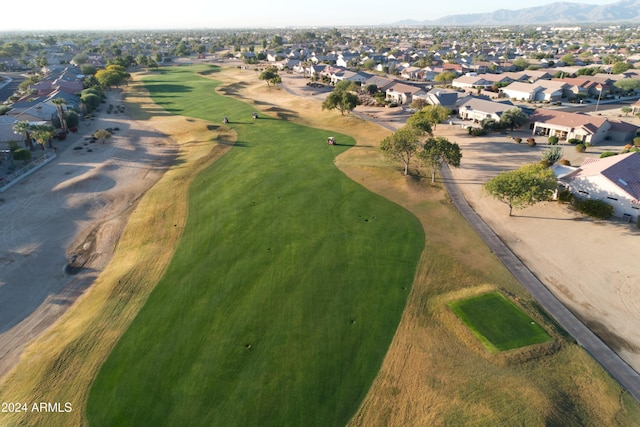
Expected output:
{"points": [[42, 134], [59, 102], [24, 127]]}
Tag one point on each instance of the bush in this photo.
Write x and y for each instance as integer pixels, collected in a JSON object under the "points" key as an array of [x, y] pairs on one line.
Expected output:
{"points": [[565, 196], [517, 140], [564, 162], [574, 141], [476, 131], [553, 140], [580, 148], [636, 141], [607, 154], [531, 142], [21, 154], [595, 208]]}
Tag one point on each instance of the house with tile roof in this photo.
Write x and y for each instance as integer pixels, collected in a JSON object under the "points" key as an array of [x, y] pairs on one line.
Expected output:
{"points": [[565, 125], [586, 128], [402, 93], [614, 180], [478, 109]]}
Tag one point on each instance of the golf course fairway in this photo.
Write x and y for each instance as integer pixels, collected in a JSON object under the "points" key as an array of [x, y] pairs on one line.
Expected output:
{"points": [[283, 294]]}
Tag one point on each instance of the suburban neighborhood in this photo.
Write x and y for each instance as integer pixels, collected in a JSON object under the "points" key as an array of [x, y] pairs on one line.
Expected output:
{"points": [[477, 74]]}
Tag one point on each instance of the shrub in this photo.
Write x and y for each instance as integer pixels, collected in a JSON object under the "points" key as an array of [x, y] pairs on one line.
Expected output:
{"points": [[517, 140], [607, 154], [595, 208], [552, 155], [531, 142], [566, 196], [636, 141], [21, 154], [574, 141], [476, 131], [580, 148], [553, 140], [564, 162]]}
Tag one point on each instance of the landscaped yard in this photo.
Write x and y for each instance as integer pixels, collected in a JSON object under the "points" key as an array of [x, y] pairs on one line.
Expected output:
{"points": [[498, 323], [283, 295]]}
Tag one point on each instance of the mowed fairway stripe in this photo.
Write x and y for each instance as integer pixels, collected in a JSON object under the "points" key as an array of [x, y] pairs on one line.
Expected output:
{"points": [[283, 295]]}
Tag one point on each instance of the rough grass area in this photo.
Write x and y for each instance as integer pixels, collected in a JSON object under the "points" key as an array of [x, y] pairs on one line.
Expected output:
{"points": [[498, 323], [283, 295]]}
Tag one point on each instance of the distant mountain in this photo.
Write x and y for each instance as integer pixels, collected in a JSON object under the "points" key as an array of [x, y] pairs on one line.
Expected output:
{"points": [[555, 13]]}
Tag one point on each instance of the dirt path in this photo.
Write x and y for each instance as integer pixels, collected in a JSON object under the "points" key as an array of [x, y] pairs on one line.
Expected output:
{"points": [[74, 208]]}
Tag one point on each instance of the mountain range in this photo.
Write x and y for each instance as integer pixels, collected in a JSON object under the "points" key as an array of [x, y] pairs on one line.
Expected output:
{"points": [[555, 13]]}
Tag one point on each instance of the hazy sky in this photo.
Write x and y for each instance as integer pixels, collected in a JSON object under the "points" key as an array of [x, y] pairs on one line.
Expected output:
{"points": [[165, 14]]}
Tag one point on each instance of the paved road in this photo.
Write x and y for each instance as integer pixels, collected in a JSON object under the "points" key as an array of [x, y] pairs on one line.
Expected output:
{"points": [[613, 363], [7, 89]]}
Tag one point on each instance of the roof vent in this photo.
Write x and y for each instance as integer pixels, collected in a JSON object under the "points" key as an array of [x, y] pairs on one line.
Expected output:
{"points": [[622, 181]]}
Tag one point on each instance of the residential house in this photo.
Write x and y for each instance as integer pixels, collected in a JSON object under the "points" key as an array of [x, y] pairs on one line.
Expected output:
{"points": [[522, 91], [356, 77], [410, 73], [614, 180], [535, 75], [470, 81], [33, 111], [347, 59], [580, 87], [565, 125], [6, 130], [442, 97], [402, 93], [478, 109], [552, 91], [382, 83], [635, 108]]}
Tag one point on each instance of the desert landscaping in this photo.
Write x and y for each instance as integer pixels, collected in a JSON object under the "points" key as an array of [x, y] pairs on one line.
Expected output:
{"points": [[68, 217]]}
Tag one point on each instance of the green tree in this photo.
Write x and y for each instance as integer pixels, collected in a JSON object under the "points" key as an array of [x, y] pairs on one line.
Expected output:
{"points": [[438, 151], [402, 145], [341, 100], [43, 134], [620, 67], [445, 76], [520, 64], [513, 118], [522, 187], [430, 114], [626, 110], [71, 119], [24, 128], [568, 59], [88, 69], [627, 84], [270, 75]]}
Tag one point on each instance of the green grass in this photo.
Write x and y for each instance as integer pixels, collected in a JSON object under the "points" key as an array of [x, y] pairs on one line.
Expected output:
{"points": [[283, 295], [498, 323]]}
